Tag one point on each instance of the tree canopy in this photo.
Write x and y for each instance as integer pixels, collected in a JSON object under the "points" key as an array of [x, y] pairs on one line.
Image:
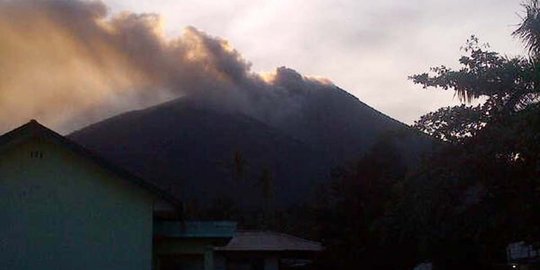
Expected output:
{"points": [[491, 159]]}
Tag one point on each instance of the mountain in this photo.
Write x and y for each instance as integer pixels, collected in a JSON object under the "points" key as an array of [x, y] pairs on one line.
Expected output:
{"points": [[204, 150]]}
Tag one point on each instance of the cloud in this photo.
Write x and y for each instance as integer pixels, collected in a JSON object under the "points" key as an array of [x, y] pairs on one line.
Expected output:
{"points": [[71, 63], [368, 48]]}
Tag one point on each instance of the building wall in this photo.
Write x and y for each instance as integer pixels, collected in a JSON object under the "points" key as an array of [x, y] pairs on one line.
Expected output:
{"points": [[271, 263], [185, 253], [59, 211]]}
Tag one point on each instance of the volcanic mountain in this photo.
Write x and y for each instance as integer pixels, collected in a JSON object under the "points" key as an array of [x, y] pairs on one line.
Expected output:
{"points": [[205, 149]]}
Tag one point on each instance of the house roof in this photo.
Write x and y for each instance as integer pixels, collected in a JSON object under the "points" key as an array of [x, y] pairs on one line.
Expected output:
{"points": [[269, 241], [33, 130], [195, 229]]}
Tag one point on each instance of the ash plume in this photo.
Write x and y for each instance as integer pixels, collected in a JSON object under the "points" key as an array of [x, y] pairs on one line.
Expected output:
{"points": [[71, 63]]}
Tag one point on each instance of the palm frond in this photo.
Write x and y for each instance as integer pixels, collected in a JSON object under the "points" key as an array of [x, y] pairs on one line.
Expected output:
{"points": [[529, 29]]}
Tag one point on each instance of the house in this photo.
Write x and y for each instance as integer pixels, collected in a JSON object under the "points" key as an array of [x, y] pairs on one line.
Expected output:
{"points": [[189, 245], [219, 246], [522, 255], [266, 250], [62, 207]]}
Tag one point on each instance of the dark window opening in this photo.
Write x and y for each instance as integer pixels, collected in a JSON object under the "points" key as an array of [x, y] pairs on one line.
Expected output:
{"points": [[36, 154]]}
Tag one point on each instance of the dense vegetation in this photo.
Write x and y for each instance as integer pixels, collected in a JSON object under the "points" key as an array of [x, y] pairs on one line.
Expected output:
{"points": [[475, 193], [466, 201]]}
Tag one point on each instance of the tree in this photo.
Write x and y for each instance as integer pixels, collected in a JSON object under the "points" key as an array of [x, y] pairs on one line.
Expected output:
{"points": [[509, 85], [490, 163], [529, 29], [266, 183], [350, 207]]}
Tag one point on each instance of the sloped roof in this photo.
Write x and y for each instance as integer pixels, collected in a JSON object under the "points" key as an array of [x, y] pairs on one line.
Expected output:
{"points": [[195, 229], [33, 129], [269, 241]]}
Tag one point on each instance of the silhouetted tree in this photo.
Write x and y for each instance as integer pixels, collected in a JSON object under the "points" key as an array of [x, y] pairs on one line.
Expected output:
{"points": [[240, 165], [266, 183], [351, 206], [529, 29], [482, 190]]}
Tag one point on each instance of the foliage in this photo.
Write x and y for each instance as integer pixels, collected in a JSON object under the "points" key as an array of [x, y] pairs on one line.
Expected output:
{"points": [[481, 190], [349, 208], [508, 85], [461, 205], [529, 30]]}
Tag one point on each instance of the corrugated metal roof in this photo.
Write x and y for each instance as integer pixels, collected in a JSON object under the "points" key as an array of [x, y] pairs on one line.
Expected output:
{"points": [[269, 241]]}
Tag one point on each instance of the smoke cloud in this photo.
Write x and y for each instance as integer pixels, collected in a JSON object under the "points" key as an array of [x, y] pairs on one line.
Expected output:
{"points": [[70, 63]]}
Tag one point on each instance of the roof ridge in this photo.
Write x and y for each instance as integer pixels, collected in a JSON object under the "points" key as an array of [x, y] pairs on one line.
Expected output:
{"points": [[280, 234], [34, 128]]}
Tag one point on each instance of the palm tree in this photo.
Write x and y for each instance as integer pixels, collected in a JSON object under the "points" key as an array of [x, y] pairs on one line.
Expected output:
{"points": [[529, 29], [529, 33]]}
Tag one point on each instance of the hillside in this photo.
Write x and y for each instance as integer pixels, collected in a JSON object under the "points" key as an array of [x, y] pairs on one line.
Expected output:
{"points": [[204, 151]]}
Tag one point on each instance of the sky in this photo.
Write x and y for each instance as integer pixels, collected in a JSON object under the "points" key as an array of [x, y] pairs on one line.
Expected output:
{"points": [[71, 63], [368, 48]]}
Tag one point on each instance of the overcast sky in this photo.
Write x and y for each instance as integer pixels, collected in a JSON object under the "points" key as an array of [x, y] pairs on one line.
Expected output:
{"points": [[366, 47]]}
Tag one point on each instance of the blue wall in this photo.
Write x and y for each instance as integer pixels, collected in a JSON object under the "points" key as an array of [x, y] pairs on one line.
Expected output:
{"points": [[60, 211]]}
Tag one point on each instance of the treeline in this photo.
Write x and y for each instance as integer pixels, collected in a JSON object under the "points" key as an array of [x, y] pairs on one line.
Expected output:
{"points": [[463, 203]]}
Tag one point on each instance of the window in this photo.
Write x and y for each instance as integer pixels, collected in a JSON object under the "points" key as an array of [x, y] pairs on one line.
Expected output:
{"points": [[36, 154]]}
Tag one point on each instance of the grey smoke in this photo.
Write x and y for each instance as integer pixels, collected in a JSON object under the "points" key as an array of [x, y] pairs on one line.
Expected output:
{"points": [[71, 63]]}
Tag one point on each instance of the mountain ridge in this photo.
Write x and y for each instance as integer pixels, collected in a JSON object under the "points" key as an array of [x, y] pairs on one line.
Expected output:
{"points": [[204, 150]]}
